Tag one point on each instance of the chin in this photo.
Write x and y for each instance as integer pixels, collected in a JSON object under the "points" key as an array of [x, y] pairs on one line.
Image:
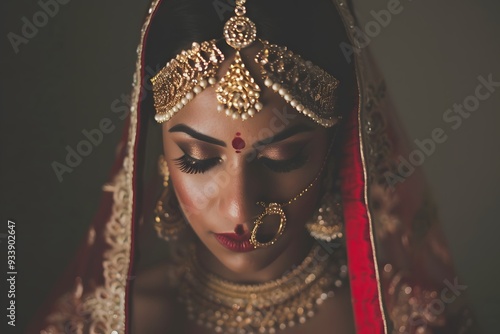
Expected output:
{"points": [[245, 266], [243, 263]]}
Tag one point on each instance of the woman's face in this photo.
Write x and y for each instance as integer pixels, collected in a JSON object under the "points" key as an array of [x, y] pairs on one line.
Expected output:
{"points": [[221, 168]]}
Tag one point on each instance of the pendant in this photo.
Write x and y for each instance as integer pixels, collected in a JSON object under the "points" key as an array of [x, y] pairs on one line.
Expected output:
{"points": [[237, 93]]}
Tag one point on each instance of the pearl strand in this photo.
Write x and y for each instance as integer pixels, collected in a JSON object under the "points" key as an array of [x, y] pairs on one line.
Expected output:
{"points": [[295, 103]]}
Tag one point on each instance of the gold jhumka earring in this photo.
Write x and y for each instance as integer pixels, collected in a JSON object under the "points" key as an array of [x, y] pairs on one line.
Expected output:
{"points": [[327, 222], [307, 88], [169, 222]]}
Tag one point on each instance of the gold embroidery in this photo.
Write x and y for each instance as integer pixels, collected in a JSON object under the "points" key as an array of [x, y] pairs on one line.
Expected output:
{"points": [[383, 205], [100, 311], [417, 310]]}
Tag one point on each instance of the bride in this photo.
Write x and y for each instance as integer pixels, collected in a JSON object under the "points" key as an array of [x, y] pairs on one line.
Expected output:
{"points": [[250, 191]]}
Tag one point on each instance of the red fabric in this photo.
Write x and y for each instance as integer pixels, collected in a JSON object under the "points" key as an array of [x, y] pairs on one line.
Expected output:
{"points": [[364, 290]]}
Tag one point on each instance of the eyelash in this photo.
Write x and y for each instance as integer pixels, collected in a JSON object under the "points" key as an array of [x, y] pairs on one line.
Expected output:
{"points": [[190, 165]]}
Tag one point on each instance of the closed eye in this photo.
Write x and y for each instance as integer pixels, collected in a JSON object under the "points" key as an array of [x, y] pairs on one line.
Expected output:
{"points": [[284, 166], [190, 165]]}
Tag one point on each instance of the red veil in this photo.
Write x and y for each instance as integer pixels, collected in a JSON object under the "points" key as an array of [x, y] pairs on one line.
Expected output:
{"points": [[400, 271]]}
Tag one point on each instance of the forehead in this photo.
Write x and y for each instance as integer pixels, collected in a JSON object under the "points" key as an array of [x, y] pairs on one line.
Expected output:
{"points": [[201, 114]]}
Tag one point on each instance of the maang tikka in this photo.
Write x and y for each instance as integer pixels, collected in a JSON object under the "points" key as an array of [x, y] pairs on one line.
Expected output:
{"points": [[307, 88], [237, 93]]}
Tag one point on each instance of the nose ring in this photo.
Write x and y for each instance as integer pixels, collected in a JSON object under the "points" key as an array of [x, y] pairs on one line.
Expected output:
{"points": [[269, 210]]}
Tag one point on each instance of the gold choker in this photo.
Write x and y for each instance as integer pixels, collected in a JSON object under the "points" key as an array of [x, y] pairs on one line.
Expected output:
{"points": [[228, 307]]}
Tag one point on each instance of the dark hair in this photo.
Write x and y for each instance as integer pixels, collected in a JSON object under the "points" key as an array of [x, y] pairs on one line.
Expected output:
{"points": [[312, 29]]}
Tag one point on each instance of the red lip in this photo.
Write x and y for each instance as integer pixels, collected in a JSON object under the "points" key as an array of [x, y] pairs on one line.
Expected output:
{"points": [[235, 242]]}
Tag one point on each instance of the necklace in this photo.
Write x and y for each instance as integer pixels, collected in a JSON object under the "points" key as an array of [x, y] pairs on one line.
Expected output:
{"points": [[228, 307]]}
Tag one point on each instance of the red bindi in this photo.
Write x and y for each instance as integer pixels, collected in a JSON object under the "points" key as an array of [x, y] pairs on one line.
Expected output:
{"points": [[238, 143]]}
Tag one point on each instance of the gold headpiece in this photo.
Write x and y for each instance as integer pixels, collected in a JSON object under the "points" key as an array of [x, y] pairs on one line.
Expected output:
{"points": [[306, 87]]}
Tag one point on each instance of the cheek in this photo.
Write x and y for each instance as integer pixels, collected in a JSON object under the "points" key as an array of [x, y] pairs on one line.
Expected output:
{"points": [[302, 209], [186, 191], [192, 201], [197, 195]]}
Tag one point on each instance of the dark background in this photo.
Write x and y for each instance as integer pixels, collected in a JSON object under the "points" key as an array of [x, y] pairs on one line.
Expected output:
{"points": [[66, 78]]}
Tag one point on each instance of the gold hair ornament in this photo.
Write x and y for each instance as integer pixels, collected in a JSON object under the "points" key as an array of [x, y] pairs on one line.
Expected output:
{"points": [[306, 87]]}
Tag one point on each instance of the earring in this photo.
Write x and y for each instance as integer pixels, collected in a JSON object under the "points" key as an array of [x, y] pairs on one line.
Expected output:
{"points": [[169, 222], [327, 223]]}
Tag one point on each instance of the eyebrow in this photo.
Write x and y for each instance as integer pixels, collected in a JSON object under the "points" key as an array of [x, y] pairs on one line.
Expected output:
{"points": [[195, 134], [287, 133]]}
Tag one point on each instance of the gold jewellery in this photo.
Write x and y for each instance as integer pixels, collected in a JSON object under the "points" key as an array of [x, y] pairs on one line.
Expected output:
{"points": [[169, 222], [228, 307], [327, 222], [306, 87]]}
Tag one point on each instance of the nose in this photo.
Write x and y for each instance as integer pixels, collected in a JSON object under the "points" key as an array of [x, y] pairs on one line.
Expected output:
{"points": [[237, 202], [239, 229]]}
